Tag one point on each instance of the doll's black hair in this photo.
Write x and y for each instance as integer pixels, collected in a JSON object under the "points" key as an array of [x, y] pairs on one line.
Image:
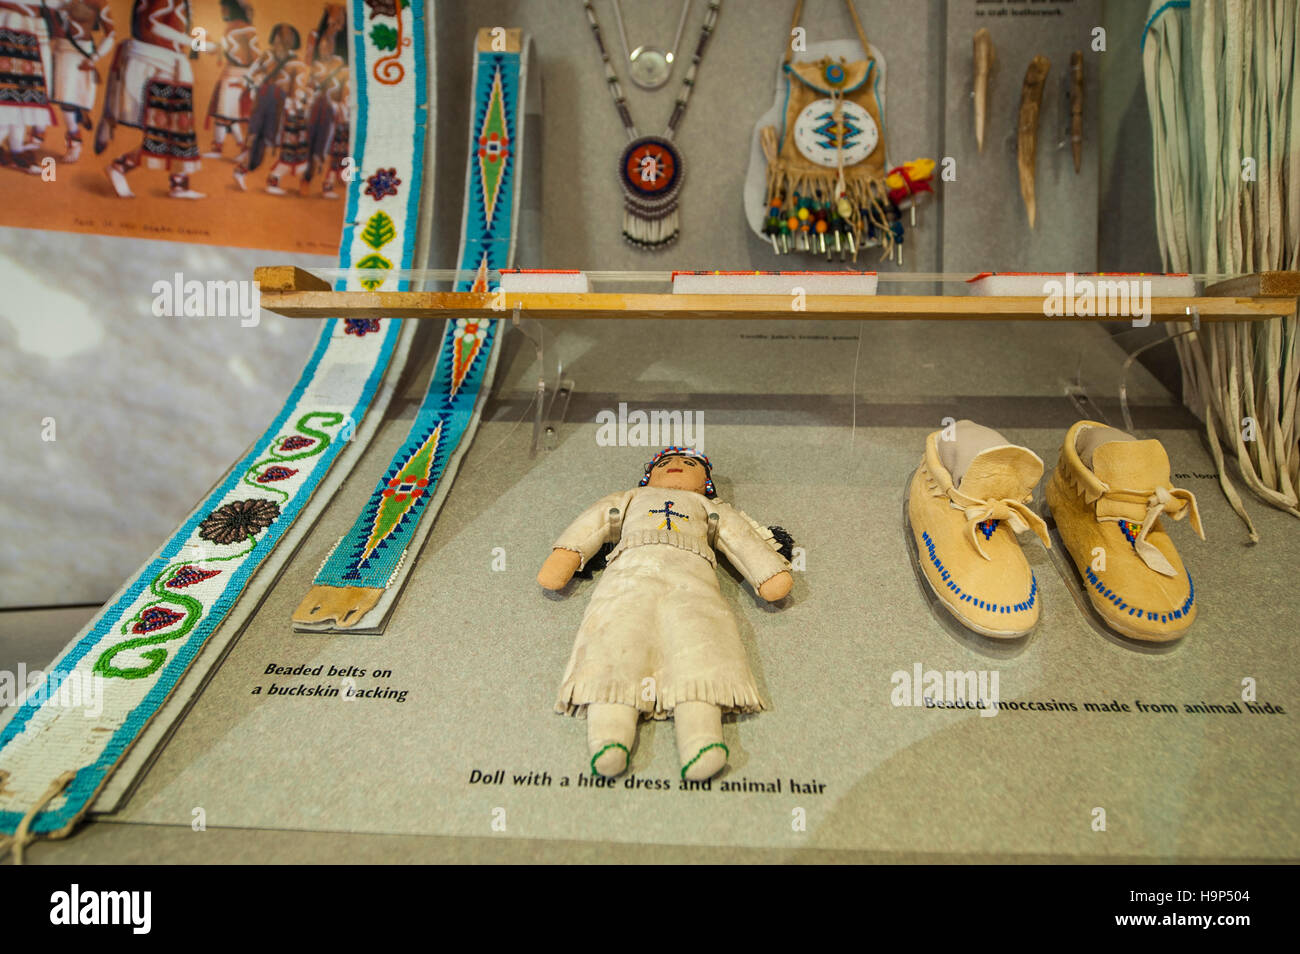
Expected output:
{"points": [[596, 563], [783, 537], [295, 41]]}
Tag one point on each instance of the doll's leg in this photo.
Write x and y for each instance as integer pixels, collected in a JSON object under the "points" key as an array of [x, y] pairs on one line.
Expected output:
{"points": [[611, 730], [699, 739]]}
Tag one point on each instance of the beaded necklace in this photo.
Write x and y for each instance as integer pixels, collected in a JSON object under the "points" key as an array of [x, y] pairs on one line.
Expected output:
{"points": [[651, 168]]}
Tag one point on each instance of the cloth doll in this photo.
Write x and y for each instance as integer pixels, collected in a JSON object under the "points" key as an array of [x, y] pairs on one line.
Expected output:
{"points": [[658, 639]]}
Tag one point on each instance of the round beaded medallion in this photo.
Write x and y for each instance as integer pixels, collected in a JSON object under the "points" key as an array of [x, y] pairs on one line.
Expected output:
{"points": [[817, 134], [651, 170]]}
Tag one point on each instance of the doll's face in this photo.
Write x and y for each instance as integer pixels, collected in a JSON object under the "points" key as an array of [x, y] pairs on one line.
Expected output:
{"points": [[679, 473]]}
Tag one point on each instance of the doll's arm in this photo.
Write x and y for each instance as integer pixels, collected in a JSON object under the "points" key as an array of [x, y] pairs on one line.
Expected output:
{"points": [[752, 554], [581, 541]]}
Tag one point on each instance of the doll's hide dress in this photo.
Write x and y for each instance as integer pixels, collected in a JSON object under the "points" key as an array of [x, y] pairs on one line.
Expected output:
{"points": [[657, 630]]}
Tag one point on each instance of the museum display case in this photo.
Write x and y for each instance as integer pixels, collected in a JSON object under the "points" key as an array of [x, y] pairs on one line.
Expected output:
{"points": [[760, 430]]}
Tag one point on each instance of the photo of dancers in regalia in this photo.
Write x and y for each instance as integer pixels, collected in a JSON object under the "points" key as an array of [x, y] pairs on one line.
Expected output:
{"points": [[80, 38], [300, 107], [277, 78], [265, 84], [231, 103], [151, 88], [327, 113], [25, 68]]}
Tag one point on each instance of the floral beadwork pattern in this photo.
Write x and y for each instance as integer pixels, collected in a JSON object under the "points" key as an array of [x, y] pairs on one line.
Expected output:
{"points": [[156, 617], [360, 326], [238, 520], [149, 635], [389, 39], [379, 231], [308, 441], [188, 576], [171, 615], [273, 474], [382, 182], [373, 265]]}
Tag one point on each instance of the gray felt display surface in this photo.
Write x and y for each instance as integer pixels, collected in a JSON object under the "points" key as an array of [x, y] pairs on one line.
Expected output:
{"points": [[480, 651]]}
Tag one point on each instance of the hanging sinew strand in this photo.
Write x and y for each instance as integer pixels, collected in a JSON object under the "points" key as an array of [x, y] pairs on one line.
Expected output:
{"points": [[651, 168]]}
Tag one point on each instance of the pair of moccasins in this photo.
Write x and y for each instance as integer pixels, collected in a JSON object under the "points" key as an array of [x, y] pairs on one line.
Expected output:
{"points": [[971, 495]]}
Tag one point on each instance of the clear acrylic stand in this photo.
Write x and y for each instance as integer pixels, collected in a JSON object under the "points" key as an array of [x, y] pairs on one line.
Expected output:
{"points": [[1132, 358], [1078, 392], [548, 413]]}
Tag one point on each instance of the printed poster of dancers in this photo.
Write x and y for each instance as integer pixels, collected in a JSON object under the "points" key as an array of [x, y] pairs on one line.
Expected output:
{"points": [[223, 122]]}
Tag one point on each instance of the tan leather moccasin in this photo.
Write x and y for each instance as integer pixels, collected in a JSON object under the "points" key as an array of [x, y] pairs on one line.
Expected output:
{"points": [[1107, 495], [967, 501]]}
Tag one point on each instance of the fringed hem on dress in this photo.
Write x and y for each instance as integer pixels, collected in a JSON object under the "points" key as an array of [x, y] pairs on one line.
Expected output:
{"points": [[729, 697]]}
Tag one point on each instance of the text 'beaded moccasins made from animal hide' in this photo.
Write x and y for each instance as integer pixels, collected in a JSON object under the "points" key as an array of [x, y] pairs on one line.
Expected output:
{"points": [[967, 501], [1107, 495]]}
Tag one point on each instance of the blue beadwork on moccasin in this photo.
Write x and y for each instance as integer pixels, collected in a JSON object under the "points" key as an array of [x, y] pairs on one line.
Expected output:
{"points": [[1095, 582], [946, 577]]}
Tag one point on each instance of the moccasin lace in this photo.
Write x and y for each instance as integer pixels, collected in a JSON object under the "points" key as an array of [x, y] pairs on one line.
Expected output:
{"points": [[1173, 502], [1015, 512]]}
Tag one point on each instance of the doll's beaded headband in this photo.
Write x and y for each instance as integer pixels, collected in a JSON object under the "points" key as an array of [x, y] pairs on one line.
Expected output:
{"points": [[690, 452]]}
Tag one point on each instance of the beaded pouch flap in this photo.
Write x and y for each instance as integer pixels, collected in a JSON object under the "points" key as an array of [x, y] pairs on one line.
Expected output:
{"points": [[831, 75]]}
